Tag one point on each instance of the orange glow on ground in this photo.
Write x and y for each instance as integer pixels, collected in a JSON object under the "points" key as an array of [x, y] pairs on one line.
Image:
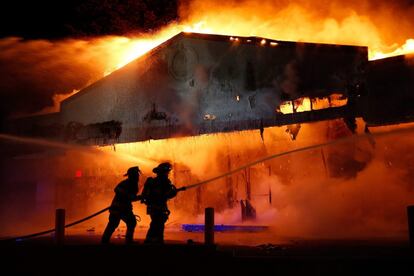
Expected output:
{"points": [[353, 189]]}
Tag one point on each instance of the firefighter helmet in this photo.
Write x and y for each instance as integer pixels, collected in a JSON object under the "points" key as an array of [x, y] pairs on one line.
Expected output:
{"points": [[133, 171], [163, 167]]}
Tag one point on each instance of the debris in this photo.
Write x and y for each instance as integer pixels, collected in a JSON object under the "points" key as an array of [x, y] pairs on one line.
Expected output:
{"points": [[153, 114], [209, 117], [261, 129], [247, 210], [293, 130], [270, 247]]}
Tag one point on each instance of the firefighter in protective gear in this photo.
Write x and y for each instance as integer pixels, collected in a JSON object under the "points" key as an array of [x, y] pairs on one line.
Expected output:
{"points": [[157, 191], [121, 207]]}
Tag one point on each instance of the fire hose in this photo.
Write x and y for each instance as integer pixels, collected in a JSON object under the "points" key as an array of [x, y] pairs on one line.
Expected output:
{"points": [[191, 186], [53, 230]]}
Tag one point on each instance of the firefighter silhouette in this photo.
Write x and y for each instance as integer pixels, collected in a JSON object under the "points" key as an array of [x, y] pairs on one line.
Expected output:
{"points": [[157, 191], [121, 207]]}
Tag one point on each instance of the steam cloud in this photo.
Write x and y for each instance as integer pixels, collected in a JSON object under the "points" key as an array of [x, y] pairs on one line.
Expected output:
{"points": [[307, 200]]}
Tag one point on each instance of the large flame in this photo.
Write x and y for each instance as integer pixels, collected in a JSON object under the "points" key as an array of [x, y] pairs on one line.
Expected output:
{"points": [[348, 24], [126, 49], [307, 200], [75, 63]]}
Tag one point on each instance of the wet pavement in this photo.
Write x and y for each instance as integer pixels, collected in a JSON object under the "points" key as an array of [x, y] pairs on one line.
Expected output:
{"points": [[83, 255]]}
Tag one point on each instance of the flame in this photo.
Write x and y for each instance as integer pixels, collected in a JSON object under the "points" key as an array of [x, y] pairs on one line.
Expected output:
{"points": [[199, 158], [308, 104], [210, 155], [302, 21], [126, 49], [344, 24], [303, 104], [285, 108], [407, 48], [123, 50]]}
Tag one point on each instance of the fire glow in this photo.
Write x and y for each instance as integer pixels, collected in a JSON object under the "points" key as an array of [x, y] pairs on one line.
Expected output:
{"points": [[124, 50], [308, 104], [348, 25], [73, 64], [307, 199]]}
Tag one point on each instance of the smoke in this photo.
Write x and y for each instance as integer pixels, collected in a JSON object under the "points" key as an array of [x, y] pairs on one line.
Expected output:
{"points": [[37, 74], [33, 71], [309, 202], [291, 80], [311, 198]]}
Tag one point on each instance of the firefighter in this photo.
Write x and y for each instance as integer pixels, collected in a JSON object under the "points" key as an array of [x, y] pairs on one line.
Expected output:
{"points": [[157, 191], [121, 207]]}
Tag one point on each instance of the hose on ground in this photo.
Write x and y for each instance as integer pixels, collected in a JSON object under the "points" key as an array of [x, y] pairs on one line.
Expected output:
{"points": [[53, 230]]}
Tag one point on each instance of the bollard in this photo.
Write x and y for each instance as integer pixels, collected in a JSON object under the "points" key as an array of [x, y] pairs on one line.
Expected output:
{"points": [[410, 216], [209, 226], [60, 226]]}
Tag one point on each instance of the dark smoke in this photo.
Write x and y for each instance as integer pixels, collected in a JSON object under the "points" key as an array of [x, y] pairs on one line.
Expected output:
{"points": [[33, 71]]}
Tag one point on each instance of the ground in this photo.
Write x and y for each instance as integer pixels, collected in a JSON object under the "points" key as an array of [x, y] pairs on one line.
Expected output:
{"points": [[83, 255]]}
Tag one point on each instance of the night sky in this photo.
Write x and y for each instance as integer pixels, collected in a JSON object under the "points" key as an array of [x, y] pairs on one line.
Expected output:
{"points": [[79, 18]]}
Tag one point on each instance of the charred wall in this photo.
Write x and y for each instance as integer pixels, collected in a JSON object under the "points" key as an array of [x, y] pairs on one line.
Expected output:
{"points": [[391, 91]]}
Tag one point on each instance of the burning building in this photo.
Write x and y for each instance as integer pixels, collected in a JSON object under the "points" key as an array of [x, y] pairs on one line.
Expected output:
{"points": [[159, 106], [196, 84]]}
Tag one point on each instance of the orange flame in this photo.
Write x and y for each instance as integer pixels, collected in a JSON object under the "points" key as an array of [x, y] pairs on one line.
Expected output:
{"points": [[407, 48], [127, 49], [308, 104], [349, 24]]}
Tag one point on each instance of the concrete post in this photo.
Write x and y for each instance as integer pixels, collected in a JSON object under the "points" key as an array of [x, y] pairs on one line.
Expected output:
{"points": [[209, 226], [60, 226], [410, 216]]}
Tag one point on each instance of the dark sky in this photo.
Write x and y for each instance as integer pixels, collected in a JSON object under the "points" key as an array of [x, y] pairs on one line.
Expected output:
{"points": [[63, 18], [76, 18]]}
